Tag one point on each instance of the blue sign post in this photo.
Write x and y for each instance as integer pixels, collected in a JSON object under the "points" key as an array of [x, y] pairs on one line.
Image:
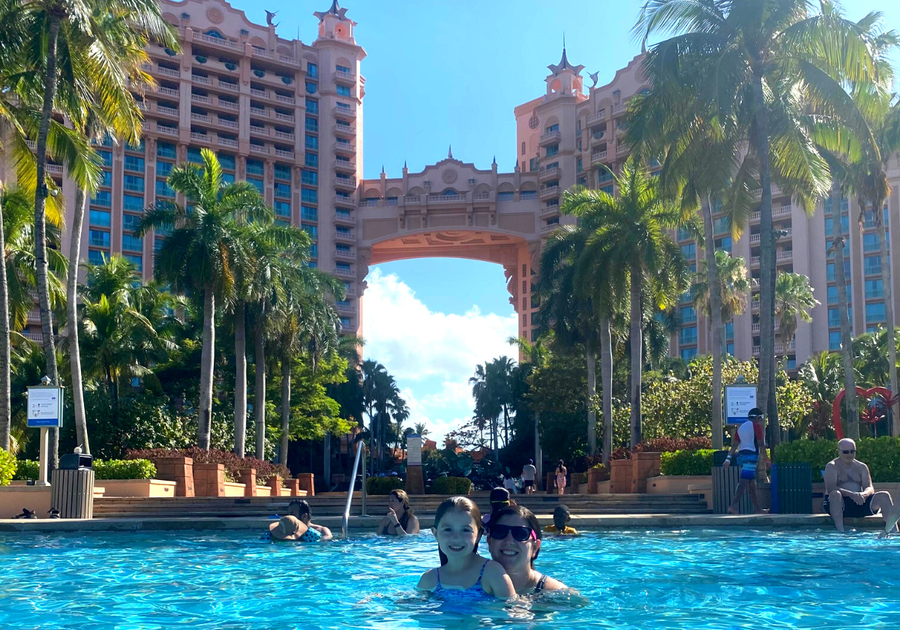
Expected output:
{"points": [[45, 411]]}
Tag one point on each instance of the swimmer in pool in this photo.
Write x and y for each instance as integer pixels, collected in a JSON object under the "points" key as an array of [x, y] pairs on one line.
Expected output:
{"points": [[561, 518], [292, 529], [400, 520], [300, 509], [514, 540], [463, 574]]}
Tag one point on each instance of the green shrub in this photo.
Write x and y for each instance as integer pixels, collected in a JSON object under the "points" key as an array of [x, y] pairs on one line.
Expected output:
{"points": [[7, 467], [27, 469], [451, 485], [124, 469], [384, 485], [881, 455], [685, 462]]}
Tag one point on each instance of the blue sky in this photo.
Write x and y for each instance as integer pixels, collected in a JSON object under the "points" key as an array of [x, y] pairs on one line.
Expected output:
{"points": [[450, 73]]}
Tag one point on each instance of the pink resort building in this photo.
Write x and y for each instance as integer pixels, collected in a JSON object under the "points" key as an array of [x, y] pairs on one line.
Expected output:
{"points": [[287, 116]]}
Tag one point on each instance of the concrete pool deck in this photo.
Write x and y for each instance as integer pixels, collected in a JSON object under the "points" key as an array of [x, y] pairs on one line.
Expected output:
{"points": [[370, 523]]}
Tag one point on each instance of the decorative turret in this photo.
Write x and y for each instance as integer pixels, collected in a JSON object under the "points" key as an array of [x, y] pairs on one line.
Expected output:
{"points": [[334, 23], [564, 78]]}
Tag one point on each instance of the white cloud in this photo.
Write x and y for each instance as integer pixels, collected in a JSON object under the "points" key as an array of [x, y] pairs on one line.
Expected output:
{"points": [[431, 354]]}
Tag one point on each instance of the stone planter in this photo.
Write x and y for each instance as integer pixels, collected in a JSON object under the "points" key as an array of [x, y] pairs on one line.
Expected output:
{"points": [[275, 486], [179, 469], [620, 476], [595, 476], [233, 489], [248, 478], [143, 488], [644, 465], [209, 480], [308, 483], [294, 486]]}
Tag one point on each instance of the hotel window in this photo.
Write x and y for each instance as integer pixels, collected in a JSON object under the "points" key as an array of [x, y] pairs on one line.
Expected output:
{"points": [[164, 168], [137, 261], [312, 230], [106, 179], [845, 205], [130, 222], [551, 129], [688, 335], [729, 330], [342, 249], [312, 124], [342, 266], [833, 295], [134, 163], [100, 218], [834, 340], [134, 183], [874, 289], [227, 161], [308, 213], [258, 183], [724, 244], [106, 157], [312, 142], [255, 167], [282, 171], [342, 230], [194, 155], [345, 322], [729, 349], [98, 238], [523, 148], [309, 177], [165, 150], [102, 198], [872, 265], [688, 315], [282, 190], [845, 225], [309, 195], [553, 149], [688, 353], [132, 242], [311, 87], [871, 242], [228, 178], [343, 90], [312, 106], [689, 251], [875, 312], [282, 208], [505, 196], [607, 189], [343, 69], [313, 253], [163, 190], [312, 70], [96, 257], [311, 160], [528, 194]]}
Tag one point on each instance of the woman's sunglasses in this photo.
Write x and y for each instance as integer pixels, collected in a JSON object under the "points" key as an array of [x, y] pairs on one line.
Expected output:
{"points": [[519, 532]]}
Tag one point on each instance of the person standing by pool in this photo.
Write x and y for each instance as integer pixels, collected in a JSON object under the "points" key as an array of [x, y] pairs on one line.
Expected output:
{"points": [[400, 520], [528, 474], [848, 489], [748, 446], [463, 574], [561, 476], [514, 539], [300, 510]]}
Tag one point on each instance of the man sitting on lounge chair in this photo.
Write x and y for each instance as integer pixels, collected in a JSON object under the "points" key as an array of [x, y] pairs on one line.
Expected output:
{"points": [[848, 488]]}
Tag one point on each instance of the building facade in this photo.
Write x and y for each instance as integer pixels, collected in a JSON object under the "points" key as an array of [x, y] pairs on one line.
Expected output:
{"points": [[288, 117]]}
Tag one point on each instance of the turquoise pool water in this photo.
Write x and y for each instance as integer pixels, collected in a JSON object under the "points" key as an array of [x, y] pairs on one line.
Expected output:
{"points": [[630, 579]]}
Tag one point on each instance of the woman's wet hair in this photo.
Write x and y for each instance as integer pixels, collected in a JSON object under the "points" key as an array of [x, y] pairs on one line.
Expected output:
{"points": [[404, 499], [524, 513], [301, 506], [460, 504]]}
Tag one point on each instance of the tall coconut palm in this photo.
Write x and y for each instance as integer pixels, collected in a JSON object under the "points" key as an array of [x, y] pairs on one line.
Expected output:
{"points": [[776, 63], [421, 429], [793, 301], [197, 256], [635, 239]]}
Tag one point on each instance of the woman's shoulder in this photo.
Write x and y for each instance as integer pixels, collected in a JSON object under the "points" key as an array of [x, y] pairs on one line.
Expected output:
{"points": [[428, 581], [552, 584], [492, 568]]}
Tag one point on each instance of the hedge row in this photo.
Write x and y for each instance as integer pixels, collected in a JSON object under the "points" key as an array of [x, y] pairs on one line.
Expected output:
{"points": [[26, 469], [687, 462], [232, 463], [451, 485], [384, 485], [7, 467], [881, 455]]}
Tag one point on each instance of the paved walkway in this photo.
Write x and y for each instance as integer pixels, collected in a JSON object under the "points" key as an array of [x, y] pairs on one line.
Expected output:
{"points": [[370, 523]]}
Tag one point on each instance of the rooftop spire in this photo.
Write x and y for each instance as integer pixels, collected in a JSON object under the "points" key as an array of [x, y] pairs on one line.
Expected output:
{"points": [[334, 10], [450, 152], [564, 62]]}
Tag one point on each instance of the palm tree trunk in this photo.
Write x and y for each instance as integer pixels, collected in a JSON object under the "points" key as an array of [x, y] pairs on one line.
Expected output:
{"points": [[850, 402], [767, 263], [606, 374], [637, 347], [240, 378], [259, 391], [285, 408], [72, 325], [206, 367], [591, 358], [888, 313], [40, 225], [5, 414], [715, 323]]}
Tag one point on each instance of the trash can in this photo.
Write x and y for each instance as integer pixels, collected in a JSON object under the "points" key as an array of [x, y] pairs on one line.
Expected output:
{"points": [[792, 488], [72, 487], [724, 485]]}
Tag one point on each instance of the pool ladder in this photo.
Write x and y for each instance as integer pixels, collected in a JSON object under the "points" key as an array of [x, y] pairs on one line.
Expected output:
{"points": [[360, 454]]}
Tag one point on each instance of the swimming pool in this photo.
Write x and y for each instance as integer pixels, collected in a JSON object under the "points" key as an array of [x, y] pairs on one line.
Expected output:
{"points": [[631, 579]]}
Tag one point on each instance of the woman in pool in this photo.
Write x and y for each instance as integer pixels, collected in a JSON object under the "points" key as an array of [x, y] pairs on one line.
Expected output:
{"points": [[514, 540], [299, 509], [400, 520], [463, 574]]}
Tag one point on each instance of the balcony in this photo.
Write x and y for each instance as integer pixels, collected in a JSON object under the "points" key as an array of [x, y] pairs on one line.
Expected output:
{"points": [[344, 255], [259, 131], [345, 183], [344, 237], [227, 85], [547, 228], [218, 41], [754, 328], [481, 196], [168, 72], [259, 93], [754, 305], [284, 153], [257, 148], [784, 348], [787, 234], [446, 198], [199, 98], [262, 112], [343, 76], [618, 108], [345, 148], [284, 99], [167, 111], [36, 337], [598, 157], [344, 309], [200, 137], [344, 111], [173, 92], [595, 118], [169, 131], [54, 169], [873, 270], [227, 104], [785, 255], [344, 218], [597, 137], [262, 52], [345, 130], [412, 200], [227, 142], [344, 273], [196, 78], [548, 173], [549, 193], [204, 118], [550, 137], [224, 122], [548, 212], [345, 165], [754, 239], [621, 149], [284, 117], [283, 135], [874, 293], [754, 261], [346, 202], [368, 203]]}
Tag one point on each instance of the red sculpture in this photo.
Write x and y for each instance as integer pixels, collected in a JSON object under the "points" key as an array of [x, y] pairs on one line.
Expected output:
{"points": [[873, 412]]}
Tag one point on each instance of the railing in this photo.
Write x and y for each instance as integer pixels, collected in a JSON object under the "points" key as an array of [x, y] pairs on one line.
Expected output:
{"points": [[873, 271], [262, 52], [344, 111], [482, 196], [167, 91], [170, 111], [171, 131], [201, 137], [227, 123], [54, 169], [368, 203], [284, 99], [284, 135], [259, 93], [552, 191], [596, 117], [255, 148], [200, 117], [618, 108], [196, 78], [345, 218], [218, 40], [349, 129], [755, 238], [343, 74], [225, 85], [259, 130], [286, 117], [550, 136], [199, 98], [549, 173], [345, 255], [284, 153], [446, 198], [259, 111], [227, 142], [347, 165], [596, 157], [345, 182], [784, 255], [346, 518], [228, 104], [344, 201], [754, 260], [168, 72]]}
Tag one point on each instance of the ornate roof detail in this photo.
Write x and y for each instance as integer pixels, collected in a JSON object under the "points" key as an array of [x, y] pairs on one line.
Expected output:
{"points": [[334, 10], [450, 152], [564, 65]]}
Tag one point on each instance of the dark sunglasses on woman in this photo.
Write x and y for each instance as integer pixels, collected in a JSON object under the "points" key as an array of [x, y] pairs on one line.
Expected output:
{"points": [[519, 532]]}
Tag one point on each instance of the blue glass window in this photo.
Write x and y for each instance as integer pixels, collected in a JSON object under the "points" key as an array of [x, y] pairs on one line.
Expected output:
{"points": [[282, 171], [689, 251], [134, 183], [688, 335], [311, 87], [163, 168], [102, 198], [258, 183], [505, 196], [311, 160], [137, 261], [343, 90], [729, 330], [312, 70], [312, 230], [98, 238], [282, 208], [163, 190], [130, 221], [875, 312], [834, 340], [312, 142], [308, 213], [132, 242], [165, 150], [100, 218], [194, 155], [309, 195], [282, 190], [309, 177], [688, 315], [553, 149], [255, 167], [134, 163], [96, 257], [688, 353], [106, 158], [312, 106], [312, 124]]}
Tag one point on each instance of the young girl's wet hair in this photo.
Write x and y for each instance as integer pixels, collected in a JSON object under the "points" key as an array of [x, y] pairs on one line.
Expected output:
{"points": [[525, 513], [461, 504]]}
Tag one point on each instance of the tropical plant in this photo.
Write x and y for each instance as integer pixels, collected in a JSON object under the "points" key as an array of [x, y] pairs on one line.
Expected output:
{"points": [[421, 429], [793, 301], [197, 257]]}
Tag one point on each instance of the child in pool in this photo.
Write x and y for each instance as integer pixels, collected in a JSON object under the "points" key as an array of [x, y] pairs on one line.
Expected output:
{"points": [[463, 573], [561, 518]]}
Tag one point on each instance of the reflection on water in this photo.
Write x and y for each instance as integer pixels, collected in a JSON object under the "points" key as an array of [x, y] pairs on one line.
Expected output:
{"points": [[626, 579]]}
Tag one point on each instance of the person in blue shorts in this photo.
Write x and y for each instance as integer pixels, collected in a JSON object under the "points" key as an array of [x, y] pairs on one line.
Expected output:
{"points": [[749, 445]]}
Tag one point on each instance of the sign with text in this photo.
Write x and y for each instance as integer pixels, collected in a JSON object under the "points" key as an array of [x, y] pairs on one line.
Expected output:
{"points": [[45, 407], [739, 400], [413, 450]]}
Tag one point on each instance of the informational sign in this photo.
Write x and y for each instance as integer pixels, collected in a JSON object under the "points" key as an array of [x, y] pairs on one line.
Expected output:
{"points": [[45, 407], [739, 400], [413, 450]]}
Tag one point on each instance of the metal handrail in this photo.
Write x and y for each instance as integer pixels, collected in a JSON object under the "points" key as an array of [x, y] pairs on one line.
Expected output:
{"points": [[356, 467]]}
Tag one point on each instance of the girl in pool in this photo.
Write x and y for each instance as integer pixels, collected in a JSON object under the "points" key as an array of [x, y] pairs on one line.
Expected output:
{"points": [[400, 520], [463, 574], [514, 539]]}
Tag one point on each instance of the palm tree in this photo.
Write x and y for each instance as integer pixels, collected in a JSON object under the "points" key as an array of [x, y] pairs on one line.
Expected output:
{"points": [[197, 256], [733, 286], [379, 388], [634, 239], [821, 377], [421, 429], [776, 63], [793, 301]]}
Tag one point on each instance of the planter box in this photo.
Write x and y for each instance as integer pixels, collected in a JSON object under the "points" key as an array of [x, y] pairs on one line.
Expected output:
{"points": [[233, 489], [595, 476], [248, 478], [307, 481], [620, 476], [179, 469], [677, 484], [645, 465], [143, 488], [15, 497], [209, 480], [263, 491], [293, 487], [275, 486]]}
